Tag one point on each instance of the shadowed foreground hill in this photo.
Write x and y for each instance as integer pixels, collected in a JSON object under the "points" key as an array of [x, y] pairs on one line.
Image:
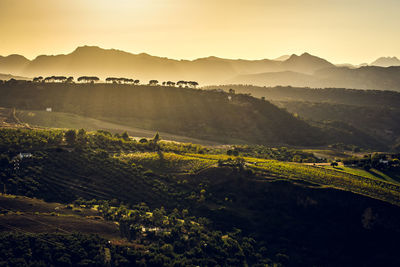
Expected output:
{"points": [[293, 214], [202, 114]]}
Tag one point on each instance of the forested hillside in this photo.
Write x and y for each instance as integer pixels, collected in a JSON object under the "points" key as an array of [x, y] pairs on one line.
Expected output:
{"points": [[177, 204], [202, 114], [372, 114]]}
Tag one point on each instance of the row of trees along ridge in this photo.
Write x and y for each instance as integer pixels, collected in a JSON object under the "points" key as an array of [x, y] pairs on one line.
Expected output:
{"points": [[121, 80]]}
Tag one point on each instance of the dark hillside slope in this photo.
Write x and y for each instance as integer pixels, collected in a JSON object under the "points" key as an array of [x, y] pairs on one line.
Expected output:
{"points": [[376, 113], [196, 113], [331, 95]]}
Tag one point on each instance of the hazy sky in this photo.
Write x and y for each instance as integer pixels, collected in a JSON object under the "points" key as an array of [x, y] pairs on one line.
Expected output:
{"points": [[341, 31]]}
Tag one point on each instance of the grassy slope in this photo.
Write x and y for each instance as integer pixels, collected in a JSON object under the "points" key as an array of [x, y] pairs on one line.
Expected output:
{"points": [[67, 120]]}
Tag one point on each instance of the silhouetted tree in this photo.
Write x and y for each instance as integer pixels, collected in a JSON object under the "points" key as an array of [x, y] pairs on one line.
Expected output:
{"points": [[156, 138], [38, 79], [70, 137], [88, 79], [169, 83], [125, 136], [181, 83], [193, 84], [81, 137], [153, 82]]}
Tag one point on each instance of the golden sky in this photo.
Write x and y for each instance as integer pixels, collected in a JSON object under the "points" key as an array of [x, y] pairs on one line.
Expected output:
{"points": [[342, 31]]}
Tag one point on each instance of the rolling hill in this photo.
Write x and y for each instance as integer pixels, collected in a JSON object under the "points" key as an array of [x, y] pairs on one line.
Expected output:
{"points": [[215, 116]]}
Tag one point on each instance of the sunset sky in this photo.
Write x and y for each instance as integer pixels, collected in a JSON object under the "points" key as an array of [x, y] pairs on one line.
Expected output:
{"points": [[342, 31]]}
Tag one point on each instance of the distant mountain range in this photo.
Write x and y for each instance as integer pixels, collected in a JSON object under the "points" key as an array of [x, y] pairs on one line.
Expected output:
{"points": [[6, 77], [303, 70]]}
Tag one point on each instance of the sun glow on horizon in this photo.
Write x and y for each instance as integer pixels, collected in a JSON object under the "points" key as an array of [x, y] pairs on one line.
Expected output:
{"points": [[340, 31]]}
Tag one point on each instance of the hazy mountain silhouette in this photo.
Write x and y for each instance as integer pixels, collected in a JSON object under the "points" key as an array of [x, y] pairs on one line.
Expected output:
{"points": [[386, 62], [92, 60], [283, 78], [6, 77], [282, 58], [306, 62], [303, 70], [13, 64], [370, 77]]}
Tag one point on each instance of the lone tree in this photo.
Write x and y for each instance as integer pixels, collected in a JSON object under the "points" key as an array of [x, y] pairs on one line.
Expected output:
{"points": [[193, 84], [81, 137], [70, 137], [125, 136], [156, 138]]}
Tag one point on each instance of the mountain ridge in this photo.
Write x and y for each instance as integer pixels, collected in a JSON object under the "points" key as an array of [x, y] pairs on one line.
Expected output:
{"points": [[106, 62], [295, 70]]}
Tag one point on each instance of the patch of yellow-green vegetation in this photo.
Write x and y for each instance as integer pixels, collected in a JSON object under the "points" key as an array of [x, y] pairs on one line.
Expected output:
{"points": [[354, 171], [168, 162], [373, 187], [383, 175], [372, 173], [351, 179]]}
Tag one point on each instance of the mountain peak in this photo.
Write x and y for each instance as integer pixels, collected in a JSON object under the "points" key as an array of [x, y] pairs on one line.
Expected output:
{"points": [[306, 63], [88, 49], [386, 62]]}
